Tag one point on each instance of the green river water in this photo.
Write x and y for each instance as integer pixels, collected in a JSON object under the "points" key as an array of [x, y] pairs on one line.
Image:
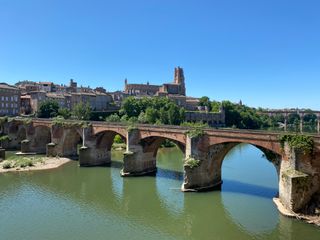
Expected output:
{"points": [[96, 203]]}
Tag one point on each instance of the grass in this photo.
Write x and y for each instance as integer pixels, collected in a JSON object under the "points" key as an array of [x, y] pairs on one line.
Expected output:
{"points": [[14, 161]]}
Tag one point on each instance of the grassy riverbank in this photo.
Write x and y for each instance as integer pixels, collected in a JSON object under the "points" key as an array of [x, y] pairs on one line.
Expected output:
{"points": [[15, 162]]}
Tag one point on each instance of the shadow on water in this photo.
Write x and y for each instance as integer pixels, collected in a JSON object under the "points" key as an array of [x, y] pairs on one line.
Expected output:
{"points": [[161, 172], [227, 186], [248, 189]]}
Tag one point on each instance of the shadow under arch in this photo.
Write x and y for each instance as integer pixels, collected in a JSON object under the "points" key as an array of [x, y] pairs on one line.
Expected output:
{"points": [[41, 138], [103, 143], [105, 139], [70, 143], [153, 143]]}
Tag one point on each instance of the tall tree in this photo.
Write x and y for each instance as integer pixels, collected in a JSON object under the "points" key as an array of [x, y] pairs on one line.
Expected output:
{"points": [[81, 111], [48, 109]]}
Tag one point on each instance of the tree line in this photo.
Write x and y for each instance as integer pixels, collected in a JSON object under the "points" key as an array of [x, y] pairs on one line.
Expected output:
{"points": [[160, 110]]}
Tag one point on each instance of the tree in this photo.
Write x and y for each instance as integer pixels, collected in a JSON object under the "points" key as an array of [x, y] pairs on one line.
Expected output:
{"points": [[48, 109], [81, 111], [118, 139], [215, 106], [151, 115], [130, 107], [142, 118], [64, 112], [113, 118], [157, 110], [205, 102]]}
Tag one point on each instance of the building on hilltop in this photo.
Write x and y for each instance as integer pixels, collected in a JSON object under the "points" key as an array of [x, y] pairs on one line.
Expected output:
{"points": [[66, 96], [175, 88], [175, 91], [9, 100]]}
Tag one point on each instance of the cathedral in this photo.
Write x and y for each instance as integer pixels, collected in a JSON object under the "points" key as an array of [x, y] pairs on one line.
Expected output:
{"points": [[176, 88]]}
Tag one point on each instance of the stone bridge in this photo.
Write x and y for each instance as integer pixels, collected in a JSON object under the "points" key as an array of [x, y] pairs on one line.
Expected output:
{"points": [[298, 172]]}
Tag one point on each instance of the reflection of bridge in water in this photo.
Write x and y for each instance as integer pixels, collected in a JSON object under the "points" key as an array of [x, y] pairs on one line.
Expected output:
{"points": [[143, 141]]}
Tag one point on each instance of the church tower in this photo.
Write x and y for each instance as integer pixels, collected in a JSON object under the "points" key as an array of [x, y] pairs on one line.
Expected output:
{"points": [[179, 79]]}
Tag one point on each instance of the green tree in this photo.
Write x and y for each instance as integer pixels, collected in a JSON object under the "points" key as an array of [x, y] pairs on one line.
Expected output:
{"points": [[205, 102], [142, 118], [215, 106], [48, 109], [151, 115], [81, 111], [64, 112], [157, 110], [113, 118], [118, 139]]}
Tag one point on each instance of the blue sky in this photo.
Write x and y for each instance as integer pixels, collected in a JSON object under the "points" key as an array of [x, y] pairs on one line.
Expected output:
{"points": [[265, 52]]}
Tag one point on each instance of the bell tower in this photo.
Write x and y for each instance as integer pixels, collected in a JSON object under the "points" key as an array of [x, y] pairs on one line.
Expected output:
{"points": [[179, 79]]}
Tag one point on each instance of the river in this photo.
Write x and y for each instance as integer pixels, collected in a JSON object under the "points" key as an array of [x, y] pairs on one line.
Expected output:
{"points": [[96, 203]]}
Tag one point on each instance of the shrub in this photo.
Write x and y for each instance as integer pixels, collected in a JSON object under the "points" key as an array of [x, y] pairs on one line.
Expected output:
{"points": [[6, 165], [191, 162], [299, 142], [118, 139], [25, 162]]}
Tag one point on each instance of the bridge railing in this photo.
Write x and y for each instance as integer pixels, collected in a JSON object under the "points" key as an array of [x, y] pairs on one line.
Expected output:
{"points": [[180, 128]]}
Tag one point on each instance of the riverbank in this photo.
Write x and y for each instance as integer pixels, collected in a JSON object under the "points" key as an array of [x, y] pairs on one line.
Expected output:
{"points": [[19, 163], [307, 215]]}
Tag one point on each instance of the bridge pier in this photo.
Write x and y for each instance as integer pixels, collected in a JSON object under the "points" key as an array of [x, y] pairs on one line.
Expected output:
{"points": [[90, 157], [297, 181], [136, 162], [202, 170]]}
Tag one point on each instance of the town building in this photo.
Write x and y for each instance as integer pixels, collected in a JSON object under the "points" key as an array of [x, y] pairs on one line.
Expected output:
{"points": [[9, 100], [176, 91], [46, 86], [175, 88]]}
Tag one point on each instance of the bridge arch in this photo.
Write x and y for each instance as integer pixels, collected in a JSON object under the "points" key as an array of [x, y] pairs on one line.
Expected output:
{"points": [[42, 136], [153, 143], [96, 131], [71, 140], [217, 154], [105, 138]]}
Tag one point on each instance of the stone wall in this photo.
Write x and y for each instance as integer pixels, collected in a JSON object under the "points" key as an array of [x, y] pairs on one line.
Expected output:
{"points": [[212, 119]]}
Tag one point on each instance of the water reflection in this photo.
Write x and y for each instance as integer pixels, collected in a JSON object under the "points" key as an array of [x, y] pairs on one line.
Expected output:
{"points": [[250, 205], [96, 203], [168, 181]]}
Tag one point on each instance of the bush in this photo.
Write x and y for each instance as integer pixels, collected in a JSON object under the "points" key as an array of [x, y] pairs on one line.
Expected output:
{"points": [[25, 162], [299, 142], [118, 139], [168, 144], [6, 165], [64, 112], [191, 162], [113, 118]]}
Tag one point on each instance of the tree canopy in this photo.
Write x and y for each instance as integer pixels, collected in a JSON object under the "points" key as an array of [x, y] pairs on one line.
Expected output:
{"points": [[157, 110], [81, 111], [48, 109]]}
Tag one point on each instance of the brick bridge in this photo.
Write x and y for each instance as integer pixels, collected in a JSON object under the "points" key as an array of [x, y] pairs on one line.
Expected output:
{"points": [[298, 173]]}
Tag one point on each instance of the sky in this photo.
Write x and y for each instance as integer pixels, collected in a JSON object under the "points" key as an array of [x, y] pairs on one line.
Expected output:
{"points": [[264, 52]]}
